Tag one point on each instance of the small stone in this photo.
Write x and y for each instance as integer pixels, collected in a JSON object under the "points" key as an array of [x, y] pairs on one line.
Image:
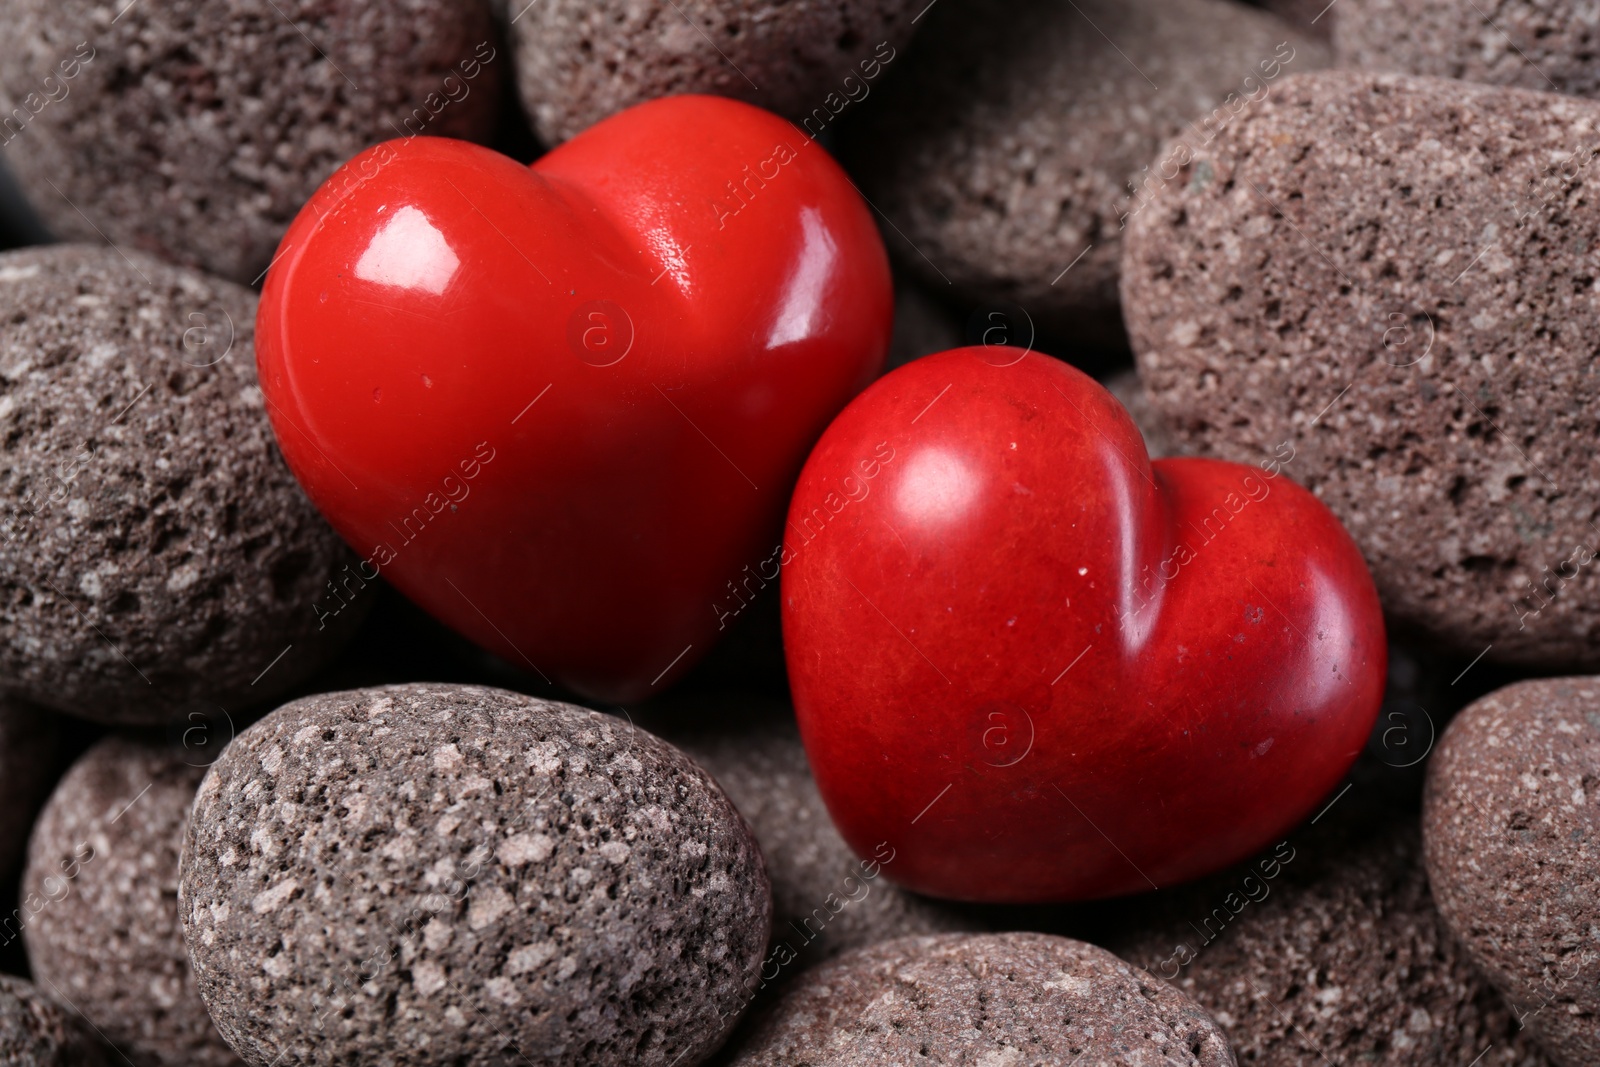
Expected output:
{"points": [[1390, 281], [1010, 151], [579, 61], [35, 1031], [103, 874], [1327, 949], [1545, 45], [523, 935], [195, 130], [992, 1000], [1510, 827], [157, 558]]}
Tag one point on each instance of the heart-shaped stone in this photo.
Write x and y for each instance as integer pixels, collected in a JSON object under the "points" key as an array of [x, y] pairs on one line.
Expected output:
{"points": [[561, 408], [1041, 667]]}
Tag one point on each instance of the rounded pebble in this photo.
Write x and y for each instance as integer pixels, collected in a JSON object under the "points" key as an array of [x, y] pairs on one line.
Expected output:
{"points": [[427, 874], [579, 61], [157, 558], [1510, 829], [1009, 151], [35, 1031], [1545, 45], [103, 873], [196, 129], [1018, 1000], [1385, 282]]}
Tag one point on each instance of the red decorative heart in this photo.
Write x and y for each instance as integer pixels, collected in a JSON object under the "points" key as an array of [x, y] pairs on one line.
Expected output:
{"points": [[561, 408], [1041, 667]]}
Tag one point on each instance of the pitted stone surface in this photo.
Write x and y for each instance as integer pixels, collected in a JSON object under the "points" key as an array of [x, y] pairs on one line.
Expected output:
{"points": [[156, 555], [426, 874]]}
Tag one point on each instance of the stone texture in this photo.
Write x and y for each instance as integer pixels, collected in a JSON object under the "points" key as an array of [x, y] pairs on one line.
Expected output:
{"points": [[995, 1000], [825, 899], [156, 555], [195, 129], [1328, 950], [103, 871], [1546, 45], [28, 744], [429, 874], [1512, 846], [1393, 275], [578, 61], [37, 1032], [1010, 146]]}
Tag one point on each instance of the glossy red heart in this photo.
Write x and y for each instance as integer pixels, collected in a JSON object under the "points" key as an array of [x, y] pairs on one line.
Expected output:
{"points": [[1041, 667], [562, 407]]}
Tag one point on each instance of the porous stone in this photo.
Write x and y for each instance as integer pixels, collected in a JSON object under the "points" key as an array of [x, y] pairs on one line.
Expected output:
{"points": [[1328, 949], [1391, 277], [1009, 151], [1546, 45], [103, 875], [429, 874], [156, 556], [578, 61], [1018, 1000], [28, 744], [825, 899], [196, 129], [35, 1031], [1511, 837]]}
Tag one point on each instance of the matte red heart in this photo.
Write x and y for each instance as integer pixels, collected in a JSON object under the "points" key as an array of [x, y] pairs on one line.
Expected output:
{"points": [[1041, 667], [561, 407]]}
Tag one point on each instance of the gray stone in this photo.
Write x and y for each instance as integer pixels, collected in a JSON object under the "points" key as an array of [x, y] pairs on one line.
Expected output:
{"points": [[579, 61], [1546, 45], [1328, 949], [994, 1000], [428, 874], [1392, 279], [156, 555], [1510, 829], [35, 1031], [103, 873], [1009, 149], [196, 129]]}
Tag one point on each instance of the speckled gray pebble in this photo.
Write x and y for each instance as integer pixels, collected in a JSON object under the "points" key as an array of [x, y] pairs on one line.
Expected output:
{"points": [[196, 129], [1008, 150], [156, 556], [826, 900], [579, 61], [989, 1000], [28, 744], [1547, 45], [1313, 16], [35, 1031], [429, 874], [1512, 847], [1394, 276], [1327, 950], [103, 876]]}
